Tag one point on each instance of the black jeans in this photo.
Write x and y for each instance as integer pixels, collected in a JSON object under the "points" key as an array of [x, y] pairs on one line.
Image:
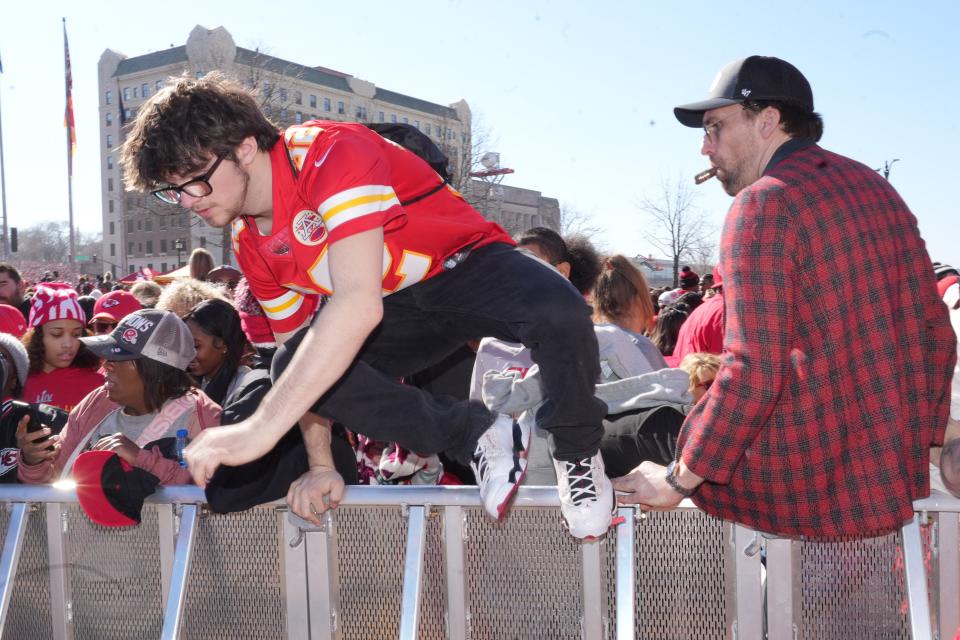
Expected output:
{"points": [[498, 292]]}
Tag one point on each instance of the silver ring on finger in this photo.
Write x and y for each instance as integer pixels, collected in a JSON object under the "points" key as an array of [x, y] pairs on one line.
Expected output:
{"points": [[314, 511]]}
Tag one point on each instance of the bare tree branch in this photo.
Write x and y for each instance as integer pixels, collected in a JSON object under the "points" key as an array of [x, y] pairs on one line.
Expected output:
{"points": [[677, 226], [574, 222]]}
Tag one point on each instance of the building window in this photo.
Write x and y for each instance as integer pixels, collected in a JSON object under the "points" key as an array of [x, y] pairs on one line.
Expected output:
{"points": [[393, 118], [361, 113], [283, 94], [148, 225], [149, 246], [109, 141], [134, 92], [139, 225], [110, 206], [109, 162], [298, 117], [203, 242], [428, 128], [129, 226], [340, 107], [284, 114], [108, 96], [268, 110], [112, 229], [113, 249], [380, 117], [140, 247], [145, 90], [130, 250], [326, 104], [199, 74], [297, 97], [159, 85], [149, 265], [163, 245], [416, 123], [405, 121], [163, 222], [109, 184], [109, 118], [126, 93], [163, 267], [127, 114], [313, 101]]}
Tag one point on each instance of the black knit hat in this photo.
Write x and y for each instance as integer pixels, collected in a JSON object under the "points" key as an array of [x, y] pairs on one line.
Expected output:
{"points": [[688, 277]]}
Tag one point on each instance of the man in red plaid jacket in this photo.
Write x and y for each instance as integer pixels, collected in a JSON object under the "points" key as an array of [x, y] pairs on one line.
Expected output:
{"points": [[831, 393]]}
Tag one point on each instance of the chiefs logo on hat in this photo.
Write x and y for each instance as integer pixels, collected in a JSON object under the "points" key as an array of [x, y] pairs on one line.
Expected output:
{"points": [[308, 228], [130, 335], [112, 302]]}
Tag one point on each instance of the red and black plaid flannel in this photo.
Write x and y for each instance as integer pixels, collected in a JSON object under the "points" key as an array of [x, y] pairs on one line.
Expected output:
{"points": [[839, 353]]}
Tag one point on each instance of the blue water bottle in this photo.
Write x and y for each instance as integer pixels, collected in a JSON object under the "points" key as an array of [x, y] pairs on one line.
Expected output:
{"points": [[182, 441]]}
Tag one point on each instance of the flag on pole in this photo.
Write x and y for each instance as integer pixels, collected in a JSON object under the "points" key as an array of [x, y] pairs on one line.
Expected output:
{"points": [[68, 121], [123, 112]]}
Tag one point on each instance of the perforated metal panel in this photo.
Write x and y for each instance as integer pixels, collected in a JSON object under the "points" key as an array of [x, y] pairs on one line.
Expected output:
{"points": [[370, 549], [681, 576], [853, 589], [234, 589], [523, 576], [29, 612], [114, 577]]}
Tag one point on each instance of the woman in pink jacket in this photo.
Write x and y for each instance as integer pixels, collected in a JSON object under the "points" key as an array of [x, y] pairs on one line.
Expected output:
{"points": [[147, 397]]}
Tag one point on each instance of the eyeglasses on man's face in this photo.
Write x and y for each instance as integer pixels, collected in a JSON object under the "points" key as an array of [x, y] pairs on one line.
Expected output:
{"points": [[197, 187], [711, 131]]}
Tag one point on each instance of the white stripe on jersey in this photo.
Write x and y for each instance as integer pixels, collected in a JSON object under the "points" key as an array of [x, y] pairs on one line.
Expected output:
{"points": [[356, 202], [283, 306]]}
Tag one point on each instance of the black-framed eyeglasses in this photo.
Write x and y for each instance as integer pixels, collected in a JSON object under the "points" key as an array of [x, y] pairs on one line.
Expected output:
{"points": [[197, 187], [711, 131]]}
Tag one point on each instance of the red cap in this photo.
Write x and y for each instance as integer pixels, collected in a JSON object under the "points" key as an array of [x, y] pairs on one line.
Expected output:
{"points": [[110, 491], [12, 321], [115, 306]]}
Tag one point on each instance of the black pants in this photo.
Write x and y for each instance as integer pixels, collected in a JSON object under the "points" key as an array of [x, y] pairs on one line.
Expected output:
{"points": [[498, 292], [636, 436]]}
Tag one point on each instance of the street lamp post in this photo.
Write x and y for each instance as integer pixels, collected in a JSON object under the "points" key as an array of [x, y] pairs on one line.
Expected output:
{"points": [[178, 243]]}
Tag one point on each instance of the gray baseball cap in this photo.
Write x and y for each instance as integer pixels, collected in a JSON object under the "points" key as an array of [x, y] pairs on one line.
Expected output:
{"points": [[753, 78], [148, 333]]}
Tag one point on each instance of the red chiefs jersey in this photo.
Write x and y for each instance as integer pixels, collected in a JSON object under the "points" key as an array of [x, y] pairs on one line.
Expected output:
{"points": [[335, 179]]}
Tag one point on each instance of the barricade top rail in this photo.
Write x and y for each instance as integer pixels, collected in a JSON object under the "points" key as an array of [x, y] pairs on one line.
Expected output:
{"points": [[463, 496]]}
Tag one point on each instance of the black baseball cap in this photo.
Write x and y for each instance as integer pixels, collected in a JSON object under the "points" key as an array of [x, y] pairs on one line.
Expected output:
{"points": [[753, 78], [111, 491]]}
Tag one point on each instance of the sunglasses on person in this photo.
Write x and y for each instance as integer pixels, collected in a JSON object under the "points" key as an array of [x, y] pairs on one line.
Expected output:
{"points": [[197, 187], [101, 327]]}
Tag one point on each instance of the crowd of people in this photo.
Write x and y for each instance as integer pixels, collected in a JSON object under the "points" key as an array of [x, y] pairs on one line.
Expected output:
{"points": [[379, 330]]}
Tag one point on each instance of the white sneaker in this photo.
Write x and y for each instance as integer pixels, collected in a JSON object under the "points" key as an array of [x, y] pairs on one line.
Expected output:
{"points": [[500, 462], [586, 496]]}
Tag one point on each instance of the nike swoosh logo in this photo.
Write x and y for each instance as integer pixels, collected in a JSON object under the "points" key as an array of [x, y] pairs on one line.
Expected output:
{"points": [[324, 158]]}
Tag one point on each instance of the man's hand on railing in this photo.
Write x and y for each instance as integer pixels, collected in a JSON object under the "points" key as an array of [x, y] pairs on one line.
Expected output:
{"points": [[31, 451], [314, 492]]}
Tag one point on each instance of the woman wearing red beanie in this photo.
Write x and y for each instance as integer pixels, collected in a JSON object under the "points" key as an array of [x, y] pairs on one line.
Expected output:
{"points": [[62, 370]]}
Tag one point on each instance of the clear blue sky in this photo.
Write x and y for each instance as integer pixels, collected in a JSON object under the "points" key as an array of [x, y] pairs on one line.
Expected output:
{"points": [[577, 95]]}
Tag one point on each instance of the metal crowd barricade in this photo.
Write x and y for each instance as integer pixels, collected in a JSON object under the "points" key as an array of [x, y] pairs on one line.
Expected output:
{"points": [[424, 562]]}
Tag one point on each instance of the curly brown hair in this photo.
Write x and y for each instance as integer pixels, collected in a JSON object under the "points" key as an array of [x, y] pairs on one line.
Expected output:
{"points": [[188, 122], [33, 341]]}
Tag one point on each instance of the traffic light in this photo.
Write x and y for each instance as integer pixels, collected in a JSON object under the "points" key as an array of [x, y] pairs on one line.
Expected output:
{"points": [[13, 239]]}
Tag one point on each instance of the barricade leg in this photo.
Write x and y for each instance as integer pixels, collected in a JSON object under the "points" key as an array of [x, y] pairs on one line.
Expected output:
{"points": [[782, 570], [323, 579], [293, 560], [12, 544], [413, 572], [948, 572], [166, 531], [457, 613], [626, 575], [61, 599], [173, 612], [748, 622], [593, 591], [916, 580]]}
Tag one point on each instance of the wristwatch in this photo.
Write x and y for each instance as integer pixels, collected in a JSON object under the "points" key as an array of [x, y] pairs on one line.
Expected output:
{"points": [[674, 483]]}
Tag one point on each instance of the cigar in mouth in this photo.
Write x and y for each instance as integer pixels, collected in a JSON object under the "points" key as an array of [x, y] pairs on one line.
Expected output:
{"points": [[703, 176]]}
